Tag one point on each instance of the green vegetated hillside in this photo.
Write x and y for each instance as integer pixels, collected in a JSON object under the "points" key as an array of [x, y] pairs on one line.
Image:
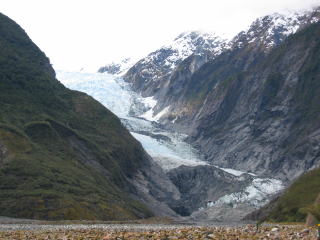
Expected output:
{"points": [[62, 154], [298, 200]]}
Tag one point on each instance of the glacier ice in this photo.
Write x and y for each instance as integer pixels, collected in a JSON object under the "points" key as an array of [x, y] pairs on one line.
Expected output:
{"points": [[115, 94], [166, 147]]}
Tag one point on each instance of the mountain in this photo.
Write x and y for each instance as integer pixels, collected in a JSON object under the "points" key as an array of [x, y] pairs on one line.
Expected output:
{"points": [[118, 68], [271, 30], [200, 187], [153, 72], [252, 107], [247, 112], [168, 81], [62, 154], [225, 105]]}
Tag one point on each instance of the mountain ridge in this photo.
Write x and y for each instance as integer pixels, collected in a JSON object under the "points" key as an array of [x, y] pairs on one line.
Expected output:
{"points": [[64, 155], [253, 107]]}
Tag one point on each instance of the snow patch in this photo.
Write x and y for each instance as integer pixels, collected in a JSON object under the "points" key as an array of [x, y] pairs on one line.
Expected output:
{"points": [[235, 172], [118, 68], [149, 102], [256, 194], [186, 44], [162, 113], [149, 115], [232, 171], [272, 29]]}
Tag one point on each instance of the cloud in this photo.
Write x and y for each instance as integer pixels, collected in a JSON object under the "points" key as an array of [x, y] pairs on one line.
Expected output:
{"points": [[77, 33]]}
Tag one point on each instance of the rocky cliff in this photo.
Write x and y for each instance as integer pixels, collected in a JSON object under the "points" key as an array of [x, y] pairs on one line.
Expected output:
{"points": [[151, 75], [261, 116], [253, 107], [247, 106]]}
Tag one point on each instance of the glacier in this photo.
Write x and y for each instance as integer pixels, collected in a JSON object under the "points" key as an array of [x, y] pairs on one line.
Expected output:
{"points": [[165, 146]]}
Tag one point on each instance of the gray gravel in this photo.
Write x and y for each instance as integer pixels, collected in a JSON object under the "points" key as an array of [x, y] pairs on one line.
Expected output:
{"points": [[113, 227], [14, 224]]}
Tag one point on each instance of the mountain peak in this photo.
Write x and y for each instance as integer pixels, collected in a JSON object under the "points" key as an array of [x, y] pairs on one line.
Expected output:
{"points": [[271, 30], [191, 42], [118, 68], [195, 34], [186, 44]]}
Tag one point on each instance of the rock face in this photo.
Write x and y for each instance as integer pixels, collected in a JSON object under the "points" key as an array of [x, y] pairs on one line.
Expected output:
{"points": [[253, 107], [151, 75], [115, 68], [256, 117], [201, 185], [62, 154]]}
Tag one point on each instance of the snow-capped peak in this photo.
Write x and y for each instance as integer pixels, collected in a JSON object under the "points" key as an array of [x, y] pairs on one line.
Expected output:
{"points": [[118, 68], [193, 42], [272, 29], [187, 43]]}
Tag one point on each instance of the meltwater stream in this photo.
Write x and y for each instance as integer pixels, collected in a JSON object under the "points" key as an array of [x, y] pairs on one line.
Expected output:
{"points": [[166, 147]]}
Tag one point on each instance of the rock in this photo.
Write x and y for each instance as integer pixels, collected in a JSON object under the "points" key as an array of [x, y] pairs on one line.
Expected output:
{"points": [[275, 229], [211, 236], [173, 238], [305, 232]]}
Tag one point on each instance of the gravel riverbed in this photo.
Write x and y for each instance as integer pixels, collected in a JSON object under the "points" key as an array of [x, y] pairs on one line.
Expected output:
{"points": [[36, 230]]}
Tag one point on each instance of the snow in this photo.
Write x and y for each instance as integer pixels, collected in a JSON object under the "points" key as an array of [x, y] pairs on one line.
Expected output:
{"points": [[115, 94], [162, 113], [124, 65], [186, 44], [256, 194], [235, 172], [149, 115], [165, 156], [174, 120], [149, 101], [232, 171], [168, 149], [105, 88], [268, 30]]}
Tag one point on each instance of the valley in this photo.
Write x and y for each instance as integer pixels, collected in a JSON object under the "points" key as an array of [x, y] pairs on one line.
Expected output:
{"points": [[204, 137], [206, 197]]}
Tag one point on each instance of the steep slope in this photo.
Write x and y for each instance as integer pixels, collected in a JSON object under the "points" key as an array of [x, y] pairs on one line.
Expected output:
{"points": [[264, 119], [199, 187], [149, 75], [243, 109], [188, 91], [183, 81], [301, 198], [62, 154]]}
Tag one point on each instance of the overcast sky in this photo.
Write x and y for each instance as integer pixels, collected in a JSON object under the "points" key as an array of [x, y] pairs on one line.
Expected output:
{"points": [[90, 33]]}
